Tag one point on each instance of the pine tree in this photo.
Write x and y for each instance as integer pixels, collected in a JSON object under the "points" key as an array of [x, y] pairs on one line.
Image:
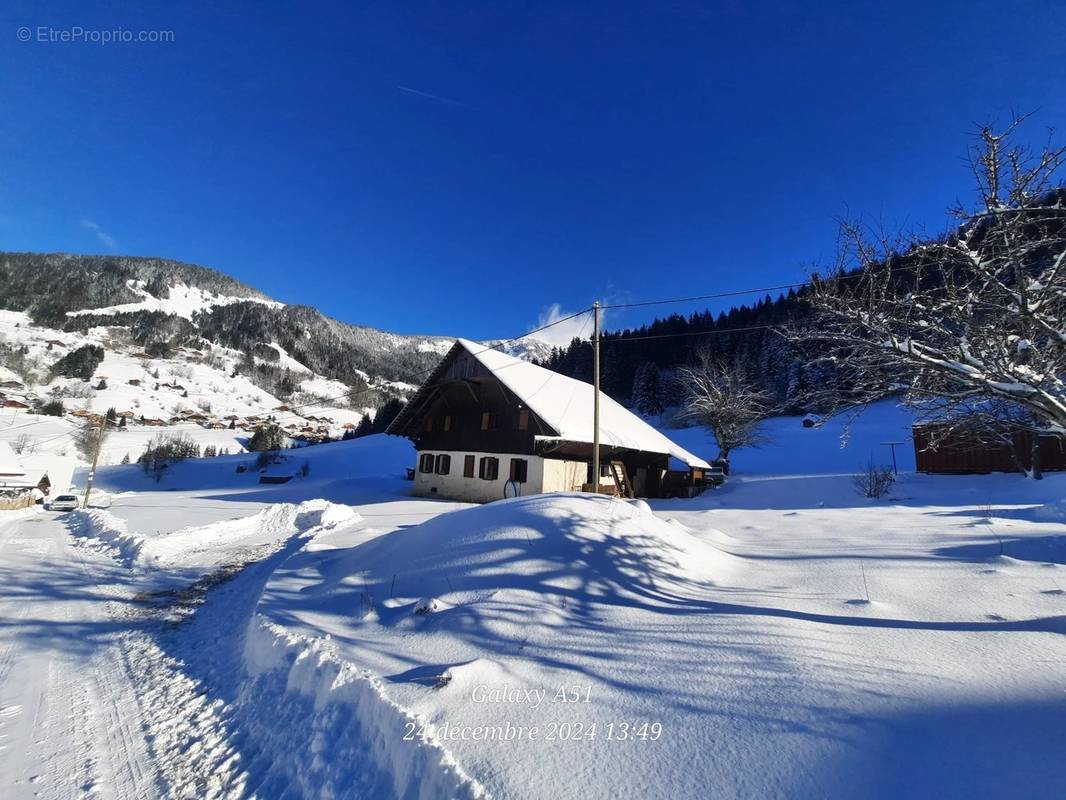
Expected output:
{"points": [[647, 390]]}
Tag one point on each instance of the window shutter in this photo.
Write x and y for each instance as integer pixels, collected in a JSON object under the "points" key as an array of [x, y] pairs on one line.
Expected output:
{"points": [[519, 469], [490, 468], [486, 418], [523, 419], [468, 467]]}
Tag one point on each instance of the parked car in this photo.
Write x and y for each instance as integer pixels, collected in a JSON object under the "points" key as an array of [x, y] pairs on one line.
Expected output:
{"points": [[64, 502]]}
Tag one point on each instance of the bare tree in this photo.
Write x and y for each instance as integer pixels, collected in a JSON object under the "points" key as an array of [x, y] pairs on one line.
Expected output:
{"points": [[89, 437], [725, 400], [975, 317], [24, 443]]}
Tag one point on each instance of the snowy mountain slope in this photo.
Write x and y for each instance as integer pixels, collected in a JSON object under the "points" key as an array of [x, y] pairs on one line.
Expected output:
{"points": [[169, 304], [181, 341], [179, 300]]}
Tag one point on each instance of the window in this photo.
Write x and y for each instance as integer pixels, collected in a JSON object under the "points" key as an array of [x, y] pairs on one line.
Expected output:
{"points": [[523, 419], [429, 424], [488, 421], [468, 467], [519, 469], [447, 423], [425, 462], [444, 464], [490, 468]]}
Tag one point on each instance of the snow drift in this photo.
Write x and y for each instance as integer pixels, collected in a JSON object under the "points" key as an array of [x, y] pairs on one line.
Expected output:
{"points": [[553, 546], [205, 545]]}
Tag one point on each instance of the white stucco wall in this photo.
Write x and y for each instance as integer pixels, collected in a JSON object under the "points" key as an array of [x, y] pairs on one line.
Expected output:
{"points": [[543, 475], [475, 490]]}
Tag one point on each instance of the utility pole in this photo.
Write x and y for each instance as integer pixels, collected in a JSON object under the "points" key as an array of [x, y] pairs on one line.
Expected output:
{"points": [[96, 457], [895, 471], [596, 397]]}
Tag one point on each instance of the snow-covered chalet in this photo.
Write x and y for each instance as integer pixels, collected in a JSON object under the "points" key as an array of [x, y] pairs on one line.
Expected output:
{"points": [[487, 425]]}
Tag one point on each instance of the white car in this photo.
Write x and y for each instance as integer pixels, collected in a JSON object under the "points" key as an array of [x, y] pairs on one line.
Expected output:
{"points": [[64, 502]]}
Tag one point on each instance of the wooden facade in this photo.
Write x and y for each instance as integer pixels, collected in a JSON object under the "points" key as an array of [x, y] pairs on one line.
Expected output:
{"points": [[960, 453]]}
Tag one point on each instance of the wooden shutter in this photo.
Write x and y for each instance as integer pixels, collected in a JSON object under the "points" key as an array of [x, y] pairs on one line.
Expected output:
{"points": [[468, 467], [519, 469], [523, 419]]}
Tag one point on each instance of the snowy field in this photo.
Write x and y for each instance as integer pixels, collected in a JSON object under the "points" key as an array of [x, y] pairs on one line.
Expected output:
{"points": [[333, 637]]}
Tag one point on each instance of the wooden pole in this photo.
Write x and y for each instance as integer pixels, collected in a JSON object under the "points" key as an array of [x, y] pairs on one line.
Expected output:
{"points": [[596, 397], [96, 458]]}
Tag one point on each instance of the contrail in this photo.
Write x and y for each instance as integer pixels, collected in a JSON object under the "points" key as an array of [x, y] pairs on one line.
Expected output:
{"points": [[429, 96]]}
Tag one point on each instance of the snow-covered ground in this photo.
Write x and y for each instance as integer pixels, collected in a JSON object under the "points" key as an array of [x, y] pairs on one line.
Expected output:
{"points": [[333, 637], [839, 445]]}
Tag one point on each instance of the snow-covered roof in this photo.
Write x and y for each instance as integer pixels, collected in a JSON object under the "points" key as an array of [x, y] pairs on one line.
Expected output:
{"points": [[566, 405], [10, 466]]}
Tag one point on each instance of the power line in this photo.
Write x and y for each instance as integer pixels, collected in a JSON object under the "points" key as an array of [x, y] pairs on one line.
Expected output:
{"points": [[618, 339], [862, 273], [714, 296]]}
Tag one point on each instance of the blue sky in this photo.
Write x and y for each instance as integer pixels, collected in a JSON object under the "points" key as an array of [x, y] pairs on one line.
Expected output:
{"points": [[455, 169]]}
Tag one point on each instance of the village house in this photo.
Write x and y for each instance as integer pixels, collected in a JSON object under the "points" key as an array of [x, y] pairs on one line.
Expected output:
{"points": [[487, 425], [19, 487]]}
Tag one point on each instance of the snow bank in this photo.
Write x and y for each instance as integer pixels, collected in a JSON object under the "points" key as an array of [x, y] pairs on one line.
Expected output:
{"points": [[207, 545], [534, 591], [100, 529], [340, 709], [543, 544]]}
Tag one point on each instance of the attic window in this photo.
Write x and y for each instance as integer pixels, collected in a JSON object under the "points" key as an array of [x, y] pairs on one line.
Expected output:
{"points": [[489, 421], [523, 419], [447, 423], [490, 468], [425, 462], [429, 424]]}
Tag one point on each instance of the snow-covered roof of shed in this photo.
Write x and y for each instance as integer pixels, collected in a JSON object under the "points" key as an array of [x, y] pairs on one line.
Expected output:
{"points": [[10, 466], [566, 405]]}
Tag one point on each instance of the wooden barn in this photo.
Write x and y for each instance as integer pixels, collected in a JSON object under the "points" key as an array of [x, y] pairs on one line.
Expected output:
{"points": [[487, 425], [940, 450]]}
